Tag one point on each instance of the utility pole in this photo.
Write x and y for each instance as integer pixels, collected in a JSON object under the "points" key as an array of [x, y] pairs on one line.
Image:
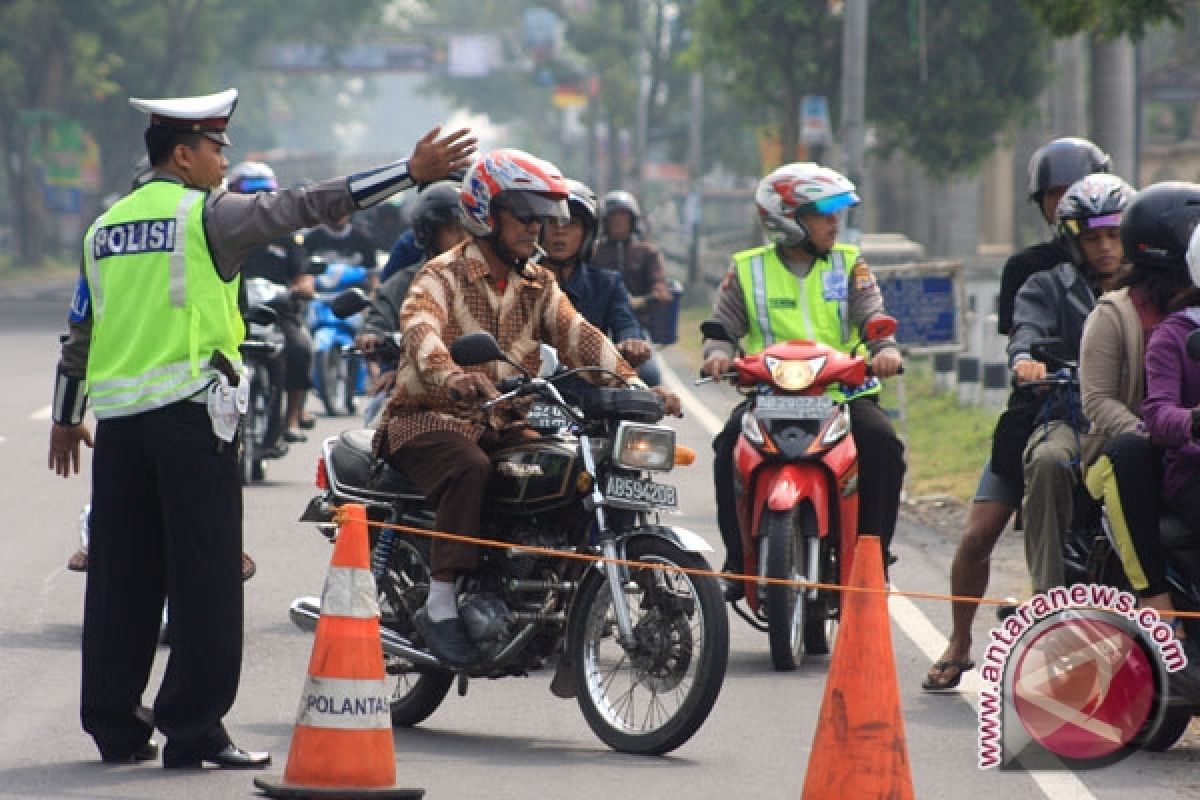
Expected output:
{"points": [[692, 213], [854, 86]]}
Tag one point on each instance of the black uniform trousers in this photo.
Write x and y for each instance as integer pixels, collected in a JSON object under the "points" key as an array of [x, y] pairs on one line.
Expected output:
{"points": [[880, 476], [166, 522]]}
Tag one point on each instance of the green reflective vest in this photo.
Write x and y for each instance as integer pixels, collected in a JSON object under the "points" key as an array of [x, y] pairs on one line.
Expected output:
{"points": [[781, 306], [159, 307]]}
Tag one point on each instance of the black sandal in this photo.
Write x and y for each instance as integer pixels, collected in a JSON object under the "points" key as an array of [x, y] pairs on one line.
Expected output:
{"points": [[948, 682]]}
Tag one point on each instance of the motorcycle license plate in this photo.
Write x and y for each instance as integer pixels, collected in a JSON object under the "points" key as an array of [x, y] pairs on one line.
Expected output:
{"points": [[639, 492], [793, 407], [547, 417]]}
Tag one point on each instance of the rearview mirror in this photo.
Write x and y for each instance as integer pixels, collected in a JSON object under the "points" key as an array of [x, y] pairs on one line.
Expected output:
{"points": [[472, 349], [348, 303], [260, 315], [879, 327], [714, 329]]}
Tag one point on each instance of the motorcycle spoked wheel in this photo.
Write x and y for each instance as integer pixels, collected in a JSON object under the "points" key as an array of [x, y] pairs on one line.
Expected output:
{"points": [[652, 699], [331, 379], [783, 534], [416, 693]]}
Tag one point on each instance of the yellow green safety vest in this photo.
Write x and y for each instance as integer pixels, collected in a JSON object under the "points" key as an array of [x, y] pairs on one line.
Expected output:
{"points": [[782, 306], [160, 309]]}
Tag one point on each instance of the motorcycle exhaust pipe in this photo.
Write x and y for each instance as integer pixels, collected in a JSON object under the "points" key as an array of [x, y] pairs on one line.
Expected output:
{"points": [[305, 611]]}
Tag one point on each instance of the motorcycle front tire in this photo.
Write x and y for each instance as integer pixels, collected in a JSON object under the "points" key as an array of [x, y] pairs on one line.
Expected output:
{"points": [[677, 664]]}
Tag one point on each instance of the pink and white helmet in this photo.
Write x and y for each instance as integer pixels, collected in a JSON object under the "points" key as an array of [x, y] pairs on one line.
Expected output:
{"points": [[800, 188], [524, 185]]}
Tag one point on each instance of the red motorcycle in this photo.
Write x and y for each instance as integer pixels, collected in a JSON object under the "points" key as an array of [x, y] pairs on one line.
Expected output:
{"points": [[796, 479]]}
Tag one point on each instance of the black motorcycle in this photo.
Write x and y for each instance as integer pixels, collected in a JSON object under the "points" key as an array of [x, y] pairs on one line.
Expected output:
{"points": [[642, 646], [260, 351], [1090, 555]]}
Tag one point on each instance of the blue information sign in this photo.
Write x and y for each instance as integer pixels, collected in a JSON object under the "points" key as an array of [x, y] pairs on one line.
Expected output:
{"points": [[926, 308]]}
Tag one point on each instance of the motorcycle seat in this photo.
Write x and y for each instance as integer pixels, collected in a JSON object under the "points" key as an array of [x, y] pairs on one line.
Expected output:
{"points": [[354, 464]]}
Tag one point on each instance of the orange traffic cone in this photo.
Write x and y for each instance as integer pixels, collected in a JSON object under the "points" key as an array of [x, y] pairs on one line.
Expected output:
{"points": [[342, 743], [859, 750]]}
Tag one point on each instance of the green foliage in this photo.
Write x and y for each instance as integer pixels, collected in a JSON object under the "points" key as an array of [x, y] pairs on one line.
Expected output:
{"points": [[944, 90], [1107, 18]]}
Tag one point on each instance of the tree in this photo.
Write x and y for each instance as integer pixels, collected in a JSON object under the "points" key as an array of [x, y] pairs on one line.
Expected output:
{"points": [[942, 83], [770, 54], [1105, 18], [84, 58]]}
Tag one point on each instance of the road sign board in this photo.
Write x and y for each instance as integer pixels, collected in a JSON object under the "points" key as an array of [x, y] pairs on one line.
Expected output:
{"points": [[926, 298]]}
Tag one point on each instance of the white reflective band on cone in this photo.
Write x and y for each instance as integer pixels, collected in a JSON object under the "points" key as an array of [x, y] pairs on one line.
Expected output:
{"points": [[350, 592], [344, 704]]}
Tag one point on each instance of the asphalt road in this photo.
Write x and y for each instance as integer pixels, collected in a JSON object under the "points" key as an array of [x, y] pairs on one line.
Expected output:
{"points": [[505, 739]]}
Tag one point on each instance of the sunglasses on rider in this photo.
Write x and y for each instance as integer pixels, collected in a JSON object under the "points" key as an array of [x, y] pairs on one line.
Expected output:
{"points": [[530, 207]]}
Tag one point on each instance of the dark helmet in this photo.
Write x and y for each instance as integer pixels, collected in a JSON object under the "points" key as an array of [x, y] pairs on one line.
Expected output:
{"points": [[1062, 162], [1157, 226], [436, 205], [1096, 201], [582, 202], [620, 200]]}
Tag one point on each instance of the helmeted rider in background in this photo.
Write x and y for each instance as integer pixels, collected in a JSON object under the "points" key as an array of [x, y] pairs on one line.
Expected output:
{"points": [[1127, 474], [806, 285], [437, 226], [622, 247], [282, 262], [1055, 303], [433, 428], [1052, 168], [598, 294]]}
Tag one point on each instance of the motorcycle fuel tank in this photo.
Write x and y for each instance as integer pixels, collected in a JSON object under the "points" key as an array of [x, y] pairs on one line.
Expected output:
{"points": [[536, 476]]}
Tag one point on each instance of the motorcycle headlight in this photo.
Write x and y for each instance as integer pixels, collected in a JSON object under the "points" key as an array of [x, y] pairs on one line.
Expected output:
{"points": [[794, 375], [648, 447]]}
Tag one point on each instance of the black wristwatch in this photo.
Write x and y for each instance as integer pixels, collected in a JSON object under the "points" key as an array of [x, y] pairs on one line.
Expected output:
{"points": [[1196, 423]]}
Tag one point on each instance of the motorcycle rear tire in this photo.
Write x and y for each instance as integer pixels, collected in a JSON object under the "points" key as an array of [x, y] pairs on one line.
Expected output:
{"points": [[1174, 725], [783, 534], [414, 698], [682, 630]]}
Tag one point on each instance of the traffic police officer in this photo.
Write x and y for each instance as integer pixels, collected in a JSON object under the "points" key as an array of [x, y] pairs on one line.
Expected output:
{"points": [[807, 285], [154, 336]]}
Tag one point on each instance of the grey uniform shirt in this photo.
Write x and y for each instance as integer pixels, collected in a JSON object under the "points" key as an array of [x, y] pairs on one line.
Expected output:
{"points": [[729, 308], [234, 224]]}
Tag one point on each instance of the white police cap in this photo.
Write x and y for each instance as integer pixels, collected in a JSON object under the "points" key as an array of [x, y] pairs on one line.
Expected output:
{"points": [[208, 114]]}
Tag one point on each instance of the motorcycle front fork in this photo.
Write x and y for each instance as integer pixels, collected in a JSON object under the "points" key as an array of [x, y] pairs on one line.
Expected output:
{"points": [[617, 575]]}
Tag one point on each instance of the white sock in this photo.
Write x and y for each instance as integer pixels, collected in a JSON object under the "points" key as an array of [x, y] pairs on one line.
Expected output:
{"points": [[442, 602]]}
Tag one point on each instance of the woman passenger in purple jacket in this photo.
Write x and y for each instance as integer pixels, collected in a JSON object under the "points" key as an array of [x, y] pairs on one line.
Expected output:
{"points": [[1172, 407]]}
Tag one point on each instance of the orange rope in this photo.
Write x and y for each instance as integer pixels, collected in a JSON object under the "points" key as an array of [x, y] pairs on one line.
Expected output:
{"points": [[547, 551]]}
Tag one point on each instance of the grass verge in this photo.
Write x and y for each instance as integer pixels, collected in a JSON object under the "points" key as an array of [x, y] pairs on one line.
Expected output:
{"points": [[947, 443]]}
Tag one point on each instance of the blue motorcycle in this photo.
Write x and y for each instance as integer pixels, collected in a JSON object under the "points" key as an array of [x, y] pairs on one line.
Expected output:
{"points": [[339, 374]]}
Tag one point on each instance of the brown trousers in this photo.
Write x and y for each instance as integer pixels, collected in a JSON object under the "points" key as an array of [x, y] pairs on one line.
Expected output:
{"points": [[452, 471]]}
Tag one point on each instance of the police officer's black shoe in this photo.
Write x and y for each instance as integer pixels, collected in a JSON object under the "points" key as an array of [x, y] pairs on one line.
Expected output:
{"points": [[447, 640], [229, 757], [147, 752]]}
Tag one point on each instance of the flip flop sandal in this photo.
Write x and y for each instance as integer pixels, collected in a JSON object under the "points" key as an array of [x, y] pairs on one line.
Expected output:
{"points": [[950, 681]]}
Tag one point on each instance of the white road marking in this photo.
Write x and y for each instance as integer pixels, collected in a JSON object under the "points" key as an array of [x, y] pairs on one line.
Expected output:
{"points": [[41, 415], [1060, 784]]}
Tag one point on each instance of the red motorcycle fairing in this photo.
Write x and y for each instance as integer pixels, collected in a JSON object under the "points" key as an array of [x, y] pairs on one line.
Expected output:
{"points": [[779, 485]]}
